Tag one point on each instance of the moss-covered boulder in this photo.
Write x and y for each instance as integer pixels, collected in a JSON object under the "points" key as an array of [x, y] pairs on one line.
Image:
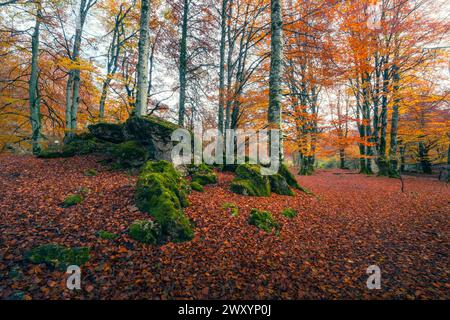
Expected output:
{"points": [[290, 178], [279, 185], [58, 256], [289, 213], [162, 192], [154, 133], [72, 200], [145, 231], [264, 221], [129, 154], [110, 132], [197, 187], [249, 181], [105, 235]]}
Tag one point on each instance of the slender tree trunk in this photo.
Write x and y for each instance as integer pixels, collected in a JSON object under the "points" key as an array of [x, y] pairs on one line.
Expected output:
{"points": [[143, 59], [183, 64], [35, 109], [382, 159], [103, 98], [393, 150], [276, 65], [448, 164], [223, 33]]}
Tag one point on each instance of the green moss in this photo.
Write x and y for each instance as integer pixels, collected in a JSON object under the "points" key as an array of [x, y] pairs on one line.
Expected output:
{"points": [[249, 181], [290, 178], [264, 221], [58, 256], [111, 132], [204, 179], [130, 154], [145, 231], [232, 207], [90, 173], [163, 193], [197, 187], [72, 200], [289, 213], [107, 235], [279, 185], [161, 123]]}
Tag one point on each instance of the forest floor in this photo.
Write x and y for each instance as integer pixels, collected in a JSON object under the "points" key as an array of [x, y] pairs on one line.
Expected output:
{"points": [[351, 222]]}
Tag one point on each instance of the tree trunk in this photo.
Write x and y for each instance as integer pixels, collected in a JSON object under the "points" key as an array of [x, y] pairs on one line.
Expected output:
{"points": [[424, 158], [276, 65], [223, 33], [183, 64], [35, 110], [382, 159], [393, 161], [143, 59]]}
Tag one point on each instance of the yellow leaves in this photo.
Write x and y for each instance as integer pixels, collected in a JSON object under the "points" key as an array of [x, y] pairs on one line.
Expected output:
{"points": [[78, 64]]}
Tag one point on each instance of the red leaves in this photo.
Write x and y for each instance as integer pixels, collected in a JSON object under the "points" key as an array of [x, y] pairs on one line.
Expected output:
{"points": [[354, 222]]}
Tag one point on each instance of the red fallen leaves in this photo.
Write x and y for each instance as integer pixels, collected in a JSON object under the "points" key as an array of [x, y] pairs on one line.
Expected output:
{"points": [[353, 221]]}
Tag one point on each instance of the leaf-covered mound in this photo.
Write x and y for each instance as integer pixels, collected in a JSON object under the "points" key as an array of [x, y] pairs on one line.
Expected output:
{"points": [[162, 192]]}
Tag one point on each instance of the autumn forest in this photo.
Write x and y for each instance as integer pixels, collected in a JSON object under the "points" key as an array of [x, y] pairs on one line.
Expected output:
{"points": [[95, 96]]}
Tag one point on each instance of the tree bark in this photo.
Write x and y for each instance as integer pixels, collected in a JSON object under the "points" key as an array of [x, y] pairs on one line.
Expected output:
{"points": [[143, 60], [276, 65], [393, 150], [223, 32], [183, 64], [35, 109]]}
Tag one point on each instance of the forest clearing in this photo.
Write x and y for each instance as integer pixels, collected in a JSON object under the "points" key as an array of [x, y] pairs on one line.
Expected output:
{"points": [[224, 150]]}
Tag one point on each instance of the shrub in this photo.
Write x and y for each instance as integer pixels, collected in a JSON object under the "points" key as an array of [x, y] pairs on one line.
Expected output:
{"points": [[249, 181], [197, 187], [289, 213], [58, 256], [145, 231], [264, 221], [72, 200], [107, 235]]}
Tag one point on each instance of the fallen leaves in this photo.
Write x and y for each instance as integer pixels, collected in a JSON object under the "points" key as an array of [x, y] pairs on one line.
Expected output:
{"points": [[355, 221]]}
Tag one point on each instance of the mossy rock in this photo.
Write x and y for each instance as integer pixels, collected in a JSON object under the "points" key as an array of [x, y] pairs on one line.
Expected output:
{"points": [[232, 207], [162, 193], [290, 178], [197, 187], [145, 231], [204, 178], [289, 213], [90, 173], [105, 235], [130, 154], [58, 256], [110, 132], [279, 185], [72, 200], [154, 133], [177, 183], [249, 181], [264, 221]]}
